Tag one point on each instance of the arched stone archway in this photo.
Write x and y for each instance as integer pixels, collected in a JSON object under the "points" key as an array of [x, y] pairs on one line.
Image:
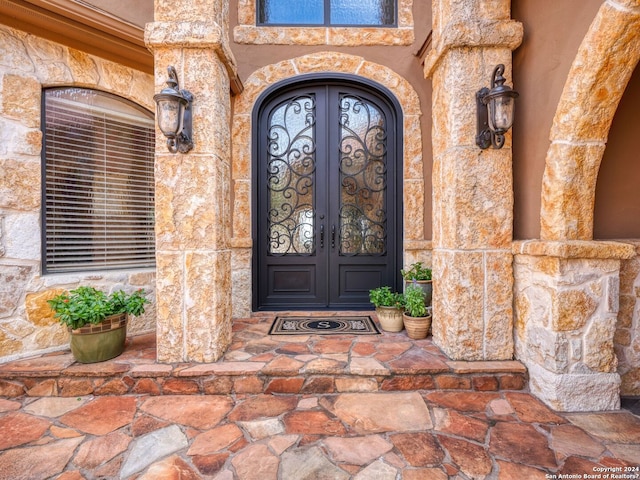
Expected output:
{"points": [[597, 79], [567, 286], [327, 62]]}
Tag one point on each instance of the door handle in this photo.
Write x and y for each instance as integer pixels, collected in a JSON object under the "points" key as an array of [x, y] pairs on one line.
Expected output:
{"points": [[321, 236], [333, 236]]}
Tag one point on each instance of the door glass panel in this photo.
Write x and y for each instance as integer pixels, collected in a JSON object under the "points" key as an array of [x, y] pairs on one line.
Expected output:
{"points": [[291, 167], [363, 182]]}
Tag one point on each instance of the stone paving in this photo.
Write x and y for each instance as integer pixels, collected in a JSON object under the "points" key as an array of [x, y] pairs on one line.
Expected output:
{"points": [[257, 362], [364, 436], [303, 408]]}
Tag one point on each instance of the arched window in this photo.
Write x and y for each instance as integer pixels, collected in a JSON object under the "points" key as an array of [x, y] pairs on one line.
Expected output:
{"points": [[97, 186]]}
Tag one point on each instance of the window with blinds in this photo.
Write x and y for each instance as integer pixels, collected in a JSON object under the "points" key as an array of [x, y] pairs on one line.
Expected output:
{"points": [[98, 188]]}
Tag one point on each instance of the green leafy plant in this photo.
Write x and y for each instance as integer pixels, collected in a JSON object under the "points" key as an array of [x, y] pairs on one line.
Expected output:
{"points": [[416, 271], [414, 301], [86, 305], [384, 297]]}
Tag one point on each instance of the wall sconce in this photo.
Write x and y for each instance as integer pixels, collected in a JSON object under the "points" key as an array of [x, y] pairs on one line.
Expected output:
{"points": [[494, 111], [173, 111]]}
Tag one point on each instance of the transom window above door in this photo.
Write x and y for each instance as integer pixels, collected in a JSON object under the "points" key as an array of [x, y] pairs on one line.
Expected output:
{"points": [[327, 12], [325, 22]]}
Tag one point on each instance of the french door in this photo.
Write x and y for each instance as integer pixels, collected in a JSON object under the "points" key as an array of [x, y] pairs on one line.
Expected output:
{"points": [[327, 224]]}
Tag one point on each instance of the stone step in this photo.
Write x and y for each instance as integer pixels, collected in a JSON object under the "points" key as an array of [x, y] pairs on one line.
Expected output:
{"points": [[257, 363]]}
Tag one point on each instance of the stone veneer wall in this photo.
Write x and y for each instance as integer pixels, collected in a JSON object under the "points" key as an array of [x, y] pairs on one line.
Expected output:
{"points": [[566, 313], [627, 335], [27, 64], [415, 247], [247, 32]]}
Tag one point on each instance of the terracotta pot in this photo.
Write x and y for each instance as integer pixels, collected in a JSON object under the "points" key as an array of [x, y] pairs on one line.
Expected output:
{"points": [[390, 318], [100, 342], [427, 288], [417, 327]]}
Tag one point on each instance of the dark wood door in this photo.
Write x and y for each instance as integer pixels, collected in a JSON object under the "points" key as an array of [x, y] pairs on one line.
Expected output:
{"points": [[327, 225]]}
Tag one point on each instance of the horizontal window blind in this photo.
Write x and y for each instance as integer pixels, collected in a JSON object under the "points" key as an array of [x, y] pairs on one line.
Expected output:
{"points": [[98, 182]]}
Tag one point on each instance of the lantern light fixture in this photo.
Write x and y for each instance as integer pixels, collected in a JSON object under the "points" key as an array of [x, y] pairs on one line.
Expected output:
{"points": [[494, 111], [173, 111]]}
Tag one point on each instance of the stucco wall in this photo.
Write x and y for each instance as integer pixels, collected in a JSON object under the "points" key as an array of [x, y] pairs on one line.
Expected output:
{"points": [[553, 32], [27, 64]]}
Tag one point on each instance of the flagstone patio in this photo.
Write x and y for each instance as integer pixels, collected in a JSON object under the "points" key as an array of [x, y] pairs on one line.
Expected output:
{"points": [[297, 408], [364, 436], [260, 363]]}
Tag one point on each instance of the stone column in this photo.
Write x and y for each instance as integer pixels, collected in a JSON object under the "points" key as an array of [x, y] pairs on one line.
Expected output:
{"points": [[472, 188], [567, 301], [192, 190]]}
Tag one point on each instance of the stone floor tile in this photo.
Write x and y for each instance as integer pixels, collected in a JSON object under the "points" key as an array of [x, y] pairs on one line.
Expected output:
{"points": [[9, 405], [144, 424], [98, 450], [455, 423], [569, 440], [367, 366], [279, 443], [307, 403], [256, 462], [577, 466], [378, 470], [383, 412], [39, 366], [332, 345], [283, 366], [259, 429], [361, 384], [463, 401], [18, 428], [59, 432], [628, 453], [150, 448], [71, 475], [500, 407], [210, 464], [530, 410], [470, 458], [201, 412], [393, 348], [618, 427], [357, 450], [293, 349], [424, 473], [513, 471], [262, 406], [312, 422], [309, 464], [215, 440], [521, 444], [363, 349], [419, 449], [324, 366], [172, 468], [91, 417], [416, 360], [38, 462]]}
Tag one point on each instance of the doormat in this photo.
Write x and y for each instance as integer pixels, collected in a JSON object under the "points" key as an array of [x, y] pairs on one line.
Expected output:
{"points": [[361, 325]]}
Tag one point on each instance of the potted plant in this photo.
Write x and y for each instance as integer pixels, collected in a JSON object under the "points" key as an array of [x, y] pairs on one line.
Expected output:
{"points": [[418, 273], [416, 317], [97, 321], [389, 306]]}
